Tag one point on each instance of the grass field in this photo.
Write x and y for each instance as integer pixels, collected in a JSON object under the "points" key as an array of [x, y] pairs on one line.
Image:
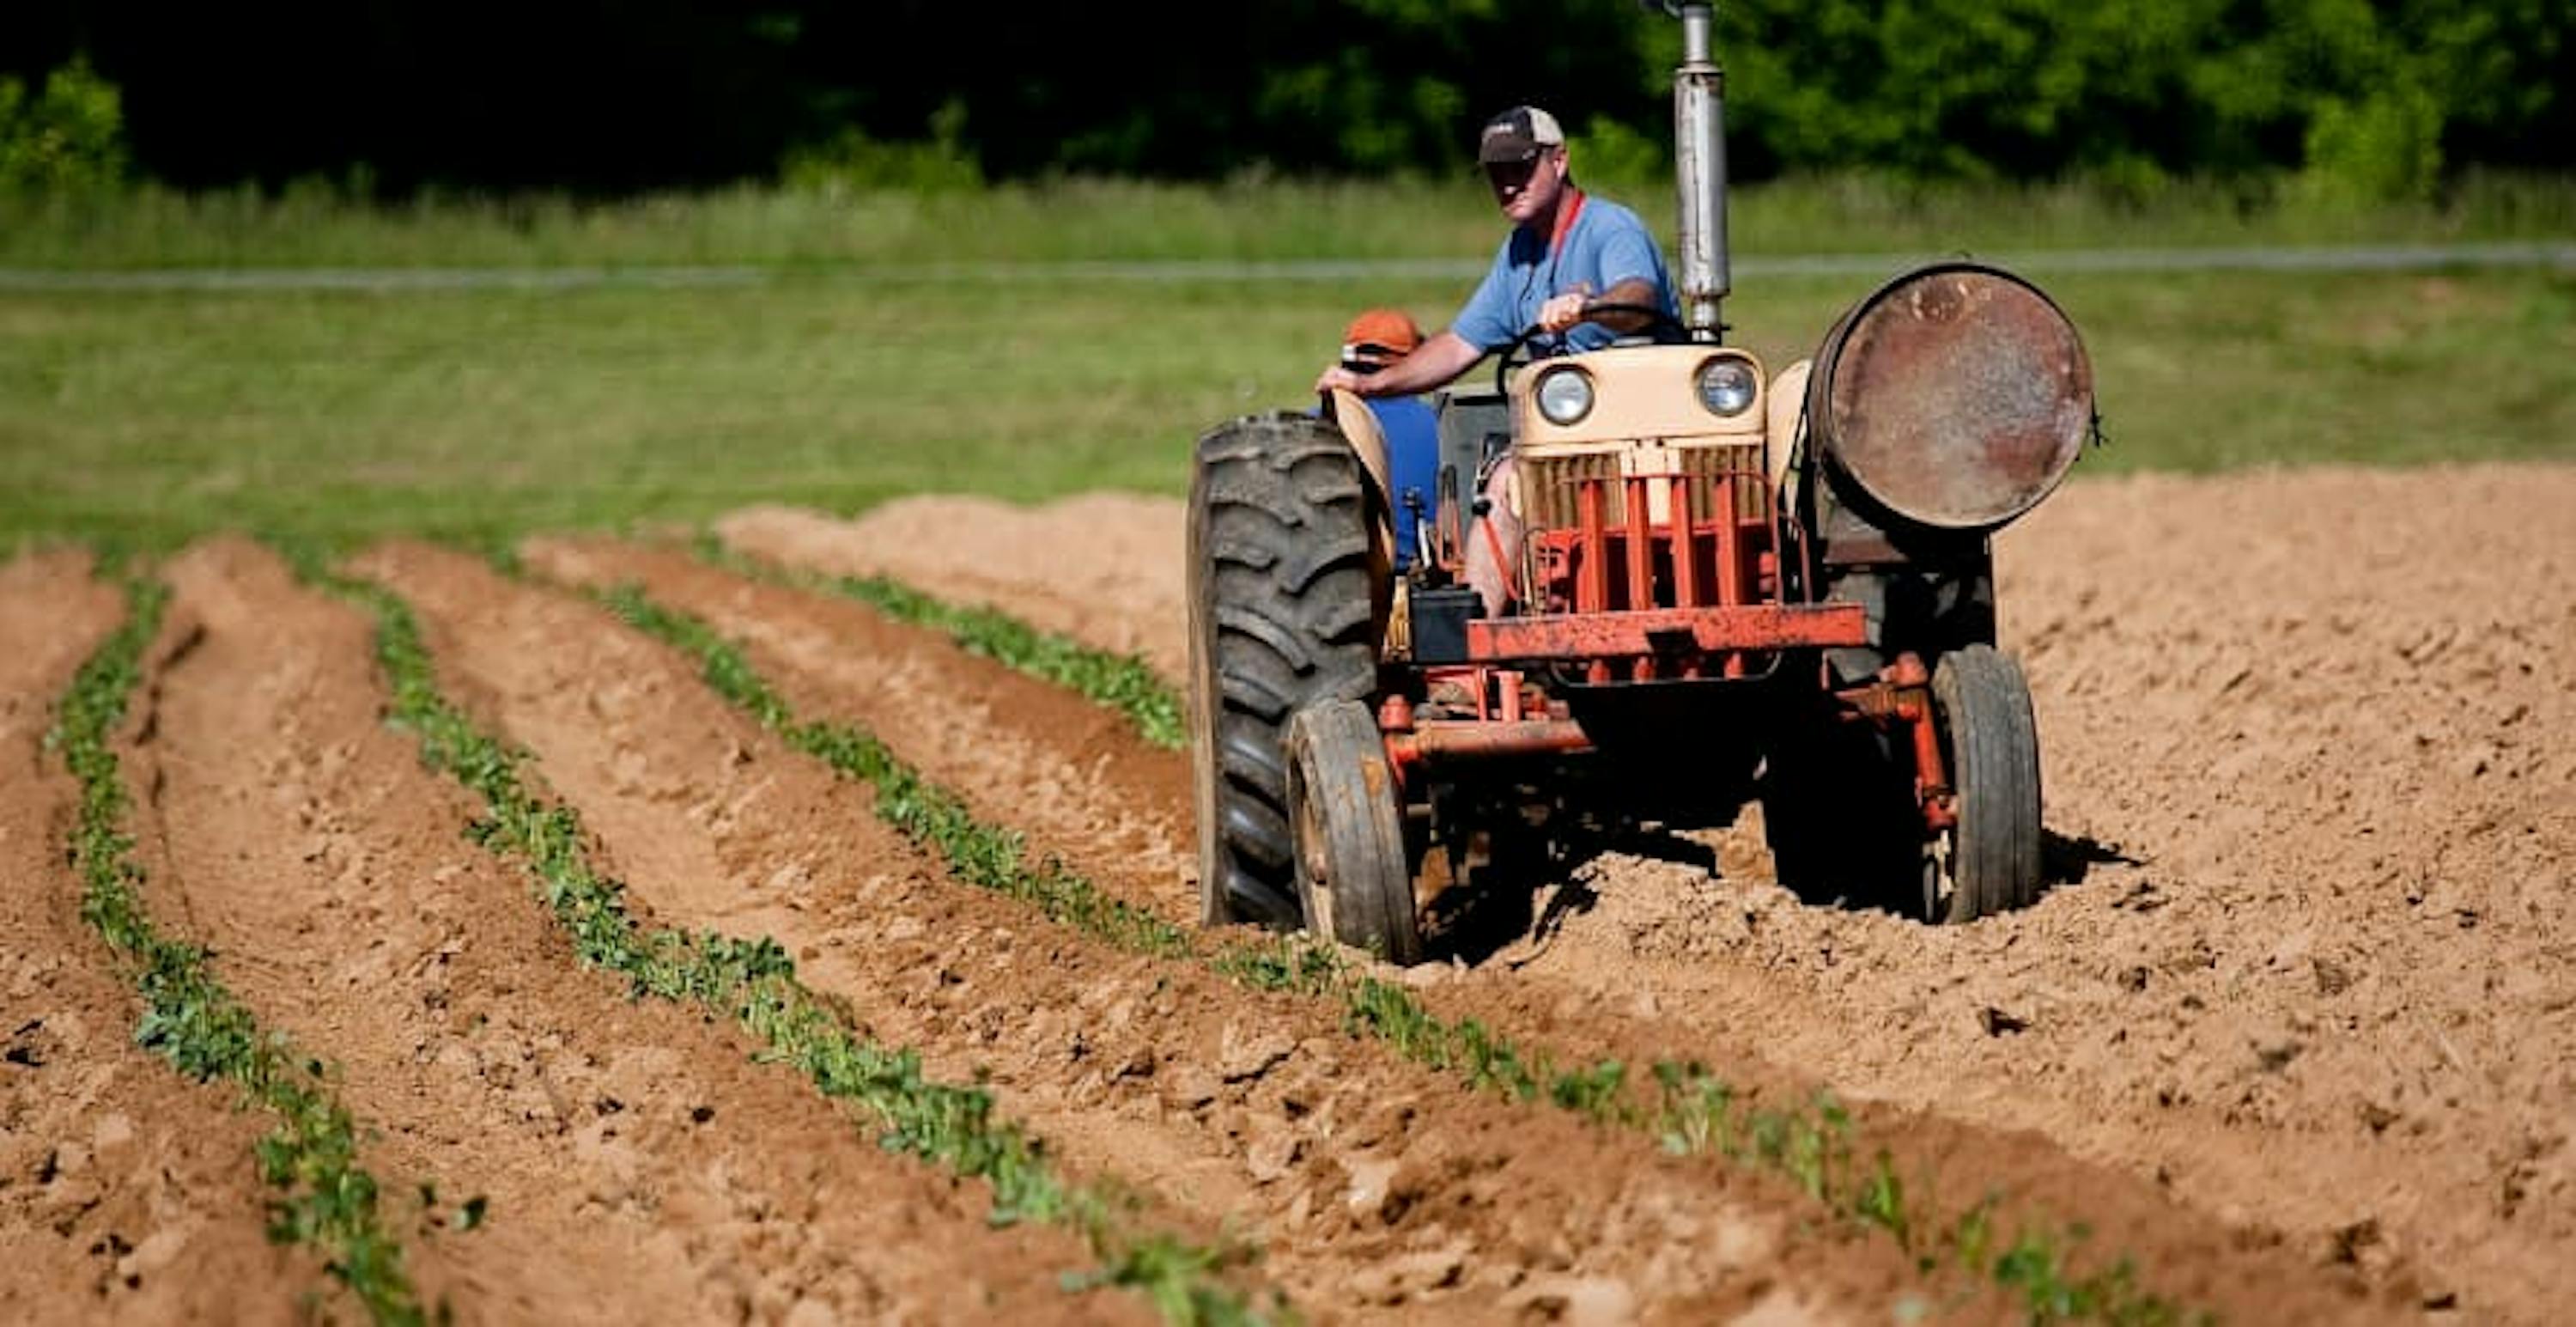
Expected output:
{"points": [[1250, 220], [146, 417]]}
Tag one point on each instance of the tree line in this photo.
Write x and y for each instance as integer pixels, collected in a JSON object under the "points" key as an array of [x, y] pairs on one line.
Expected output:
{"points": [[2381, 96]]}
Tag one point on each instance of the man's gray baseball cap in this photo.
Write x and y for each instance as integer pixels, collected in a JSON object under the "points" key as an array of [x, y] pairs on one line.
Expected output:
{"points": [[1517, 135]]}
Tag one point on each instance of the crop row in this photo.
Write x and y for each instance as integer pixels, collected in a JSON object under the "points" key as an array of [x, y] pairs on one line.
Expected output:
{"points": [[753, 982], [1121, 682], [328, 1201], [1681, 1106]]}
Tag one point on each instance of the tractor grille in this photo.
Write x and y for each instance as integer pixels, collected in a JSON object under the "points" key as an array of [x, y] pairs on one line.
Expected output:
{"points": [[1552, 485]]}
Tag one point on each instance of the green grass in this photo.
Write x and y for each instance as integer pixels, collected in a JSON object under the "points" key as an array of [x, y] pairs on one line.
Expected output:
{"points": [[142, 419], [1087, 220]]}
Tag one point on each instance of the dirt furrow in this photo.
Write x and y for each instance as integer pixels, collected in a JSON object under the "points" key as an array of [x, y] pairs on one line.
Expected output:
{"points": [[626, 1162], [2313, 808], [128, 1193], [1638, 1010], [1372, 1185], [1102, 568], [818, 649]]}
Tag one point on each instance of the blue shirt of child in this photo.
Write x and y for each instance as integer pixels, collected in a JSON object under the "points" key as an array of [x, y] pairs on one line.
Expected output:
{"points": [[1412, 465], [1412, 430], [1601, 245]]}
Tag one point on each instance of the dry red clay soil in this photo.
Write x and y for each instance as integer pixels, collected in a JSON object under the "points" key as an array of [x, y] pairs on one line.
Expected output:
{"points": [[2308, 969], [2295, 1031]]}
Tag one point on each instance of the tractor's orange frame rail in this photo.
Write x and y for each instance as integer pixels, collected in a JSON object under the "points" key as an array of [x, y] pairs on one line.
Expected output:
{"points": [[1643, 632]]}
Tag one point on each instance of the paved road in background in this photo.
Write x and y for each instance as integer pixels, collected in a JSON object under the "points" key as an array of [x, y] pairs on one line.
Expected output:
{"points": [[2558, 255]]}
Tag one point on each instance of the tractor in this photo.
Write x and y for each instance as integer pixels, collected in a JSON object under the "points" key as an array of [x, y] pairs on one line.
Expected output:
{"points": [[1733, 586]]}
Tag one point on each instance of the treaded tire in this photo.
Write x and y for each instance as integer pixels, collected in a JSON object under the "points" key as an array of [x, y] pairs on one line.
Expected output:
{"points": [[1991, 742], [1352, 872], [1283, 610]]}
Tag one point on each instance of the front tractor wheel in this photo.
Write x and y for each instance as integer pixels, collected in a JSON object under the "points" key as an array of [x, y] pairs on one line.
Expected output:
{"points": [[1353, 875], [1989, 861]]}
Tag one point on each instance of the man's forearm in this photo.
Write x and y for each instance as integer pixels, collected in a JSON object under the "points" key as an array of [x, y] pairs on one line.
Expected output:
{"points": [[1435, 363], [1635, 290]]}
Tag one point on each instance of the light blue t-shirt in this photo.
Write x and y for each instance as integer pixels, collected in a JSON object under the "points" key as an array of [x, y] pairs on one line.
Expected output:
{"points": [[1605, 245]]}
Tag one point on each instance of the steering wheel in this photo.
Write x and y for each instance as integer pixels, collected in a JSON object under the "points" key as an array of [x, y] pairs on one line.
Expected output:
{"points": [[1663, 327]]}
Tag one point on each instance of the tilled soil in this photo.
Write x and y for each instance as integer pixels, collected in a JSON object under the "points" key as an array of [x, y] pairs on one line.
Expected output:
{"points": [[1022, 751], [637, 1166], [1368, 1182], [2311, 765], [2295, 1030], [127, 1192]]}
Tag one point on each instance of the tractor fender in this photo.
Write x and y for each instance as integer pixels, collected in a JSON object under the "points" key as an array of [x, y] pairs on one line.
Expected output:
{"points": [[1367, 439], [1784, 414]]}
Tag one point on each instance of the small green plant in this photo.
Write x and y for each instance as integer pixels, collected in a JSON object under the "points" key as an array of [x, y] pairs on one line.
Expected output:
{"points": [[310, 1155]]}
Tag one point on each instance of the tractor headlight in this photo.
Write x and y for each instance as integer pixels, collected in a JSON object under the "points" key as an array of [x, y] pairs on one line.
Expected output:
{"points": [[1726, 387], [1564, 395]]}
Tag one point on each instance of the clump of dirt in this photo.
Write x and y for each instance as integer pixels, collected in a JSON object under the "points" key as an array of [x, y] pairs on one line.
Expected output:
{"points": [[2311, 775]]}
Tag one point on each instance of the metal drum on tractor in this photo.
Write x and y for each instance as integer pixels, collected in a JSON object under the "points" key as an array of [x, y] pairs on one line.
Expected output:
{"points": [[1733, 585]]}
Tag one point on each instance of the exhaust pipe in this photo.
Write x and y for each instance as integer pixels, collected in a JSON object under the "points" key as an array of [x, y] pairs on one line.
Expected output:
{"points": [[1699, 160]]}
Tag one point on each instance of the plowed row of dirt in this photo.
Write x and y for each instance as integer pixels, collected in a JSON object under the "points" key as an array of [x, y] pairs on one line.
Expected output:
{"points": [[127, 1194], [1364, 1179], [2311, 767], [2294, 1033]]}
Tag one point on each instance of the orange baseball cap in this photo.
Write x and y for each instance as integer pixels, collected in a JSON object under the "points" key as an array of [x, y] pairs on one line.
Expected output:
{"points": [[1380, 336]]}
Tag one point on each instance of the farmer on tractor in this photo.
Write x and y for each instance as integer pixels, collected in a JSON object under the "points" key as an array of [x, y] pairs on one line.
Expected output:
{"points": [[1584, 269], [1655, 583]]}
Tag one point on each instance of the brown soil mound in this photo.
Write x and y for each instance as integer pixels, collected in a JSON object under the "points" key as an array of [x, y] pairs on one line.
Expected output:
{"points": [[2295, 1029], [638, 1165], [1017, 747], [1226, 1106], [2311, 767], [1103, 568], [127, 1192]]}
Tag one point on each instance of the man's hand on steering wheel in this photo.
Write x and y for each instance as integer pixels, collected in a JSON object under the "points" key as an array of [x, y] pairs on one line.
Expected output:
{"points": [[1564, 311]]}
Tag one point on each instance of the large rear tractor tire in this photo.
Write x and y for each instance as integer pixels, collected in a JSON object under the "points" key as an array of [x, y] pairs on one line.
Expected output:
{"points": [[1283, 607], [1989, 862], [1353, 875]]}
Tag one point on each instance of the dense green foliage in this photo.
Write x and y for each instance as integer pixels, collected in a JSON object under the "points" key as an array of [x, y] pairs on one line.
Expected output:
{"points": [[65, 137], [2374, 97]]}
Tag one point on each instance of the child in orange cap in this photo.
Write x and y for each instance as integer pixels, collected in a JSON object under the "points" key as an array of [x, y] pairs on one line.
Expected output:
{"points": [[1372, 341]]}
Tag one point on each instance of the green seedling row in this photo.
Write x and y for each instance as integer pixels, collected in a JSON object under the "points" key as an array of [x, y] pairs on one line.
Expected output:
{"points": [[328, 1201], [1681, 1106], [1121, 682], [754, 983]]}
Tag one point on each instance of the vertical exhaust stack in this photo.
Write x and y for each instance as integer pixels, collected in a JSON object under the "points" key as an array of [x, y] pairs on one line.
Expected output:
{"points": [[1699, 160]]}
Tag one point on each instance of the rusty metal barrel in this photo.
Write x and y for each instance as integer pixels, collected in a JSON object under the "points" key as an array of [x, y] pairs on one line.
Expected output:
{"points": [[1954, 396]]}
